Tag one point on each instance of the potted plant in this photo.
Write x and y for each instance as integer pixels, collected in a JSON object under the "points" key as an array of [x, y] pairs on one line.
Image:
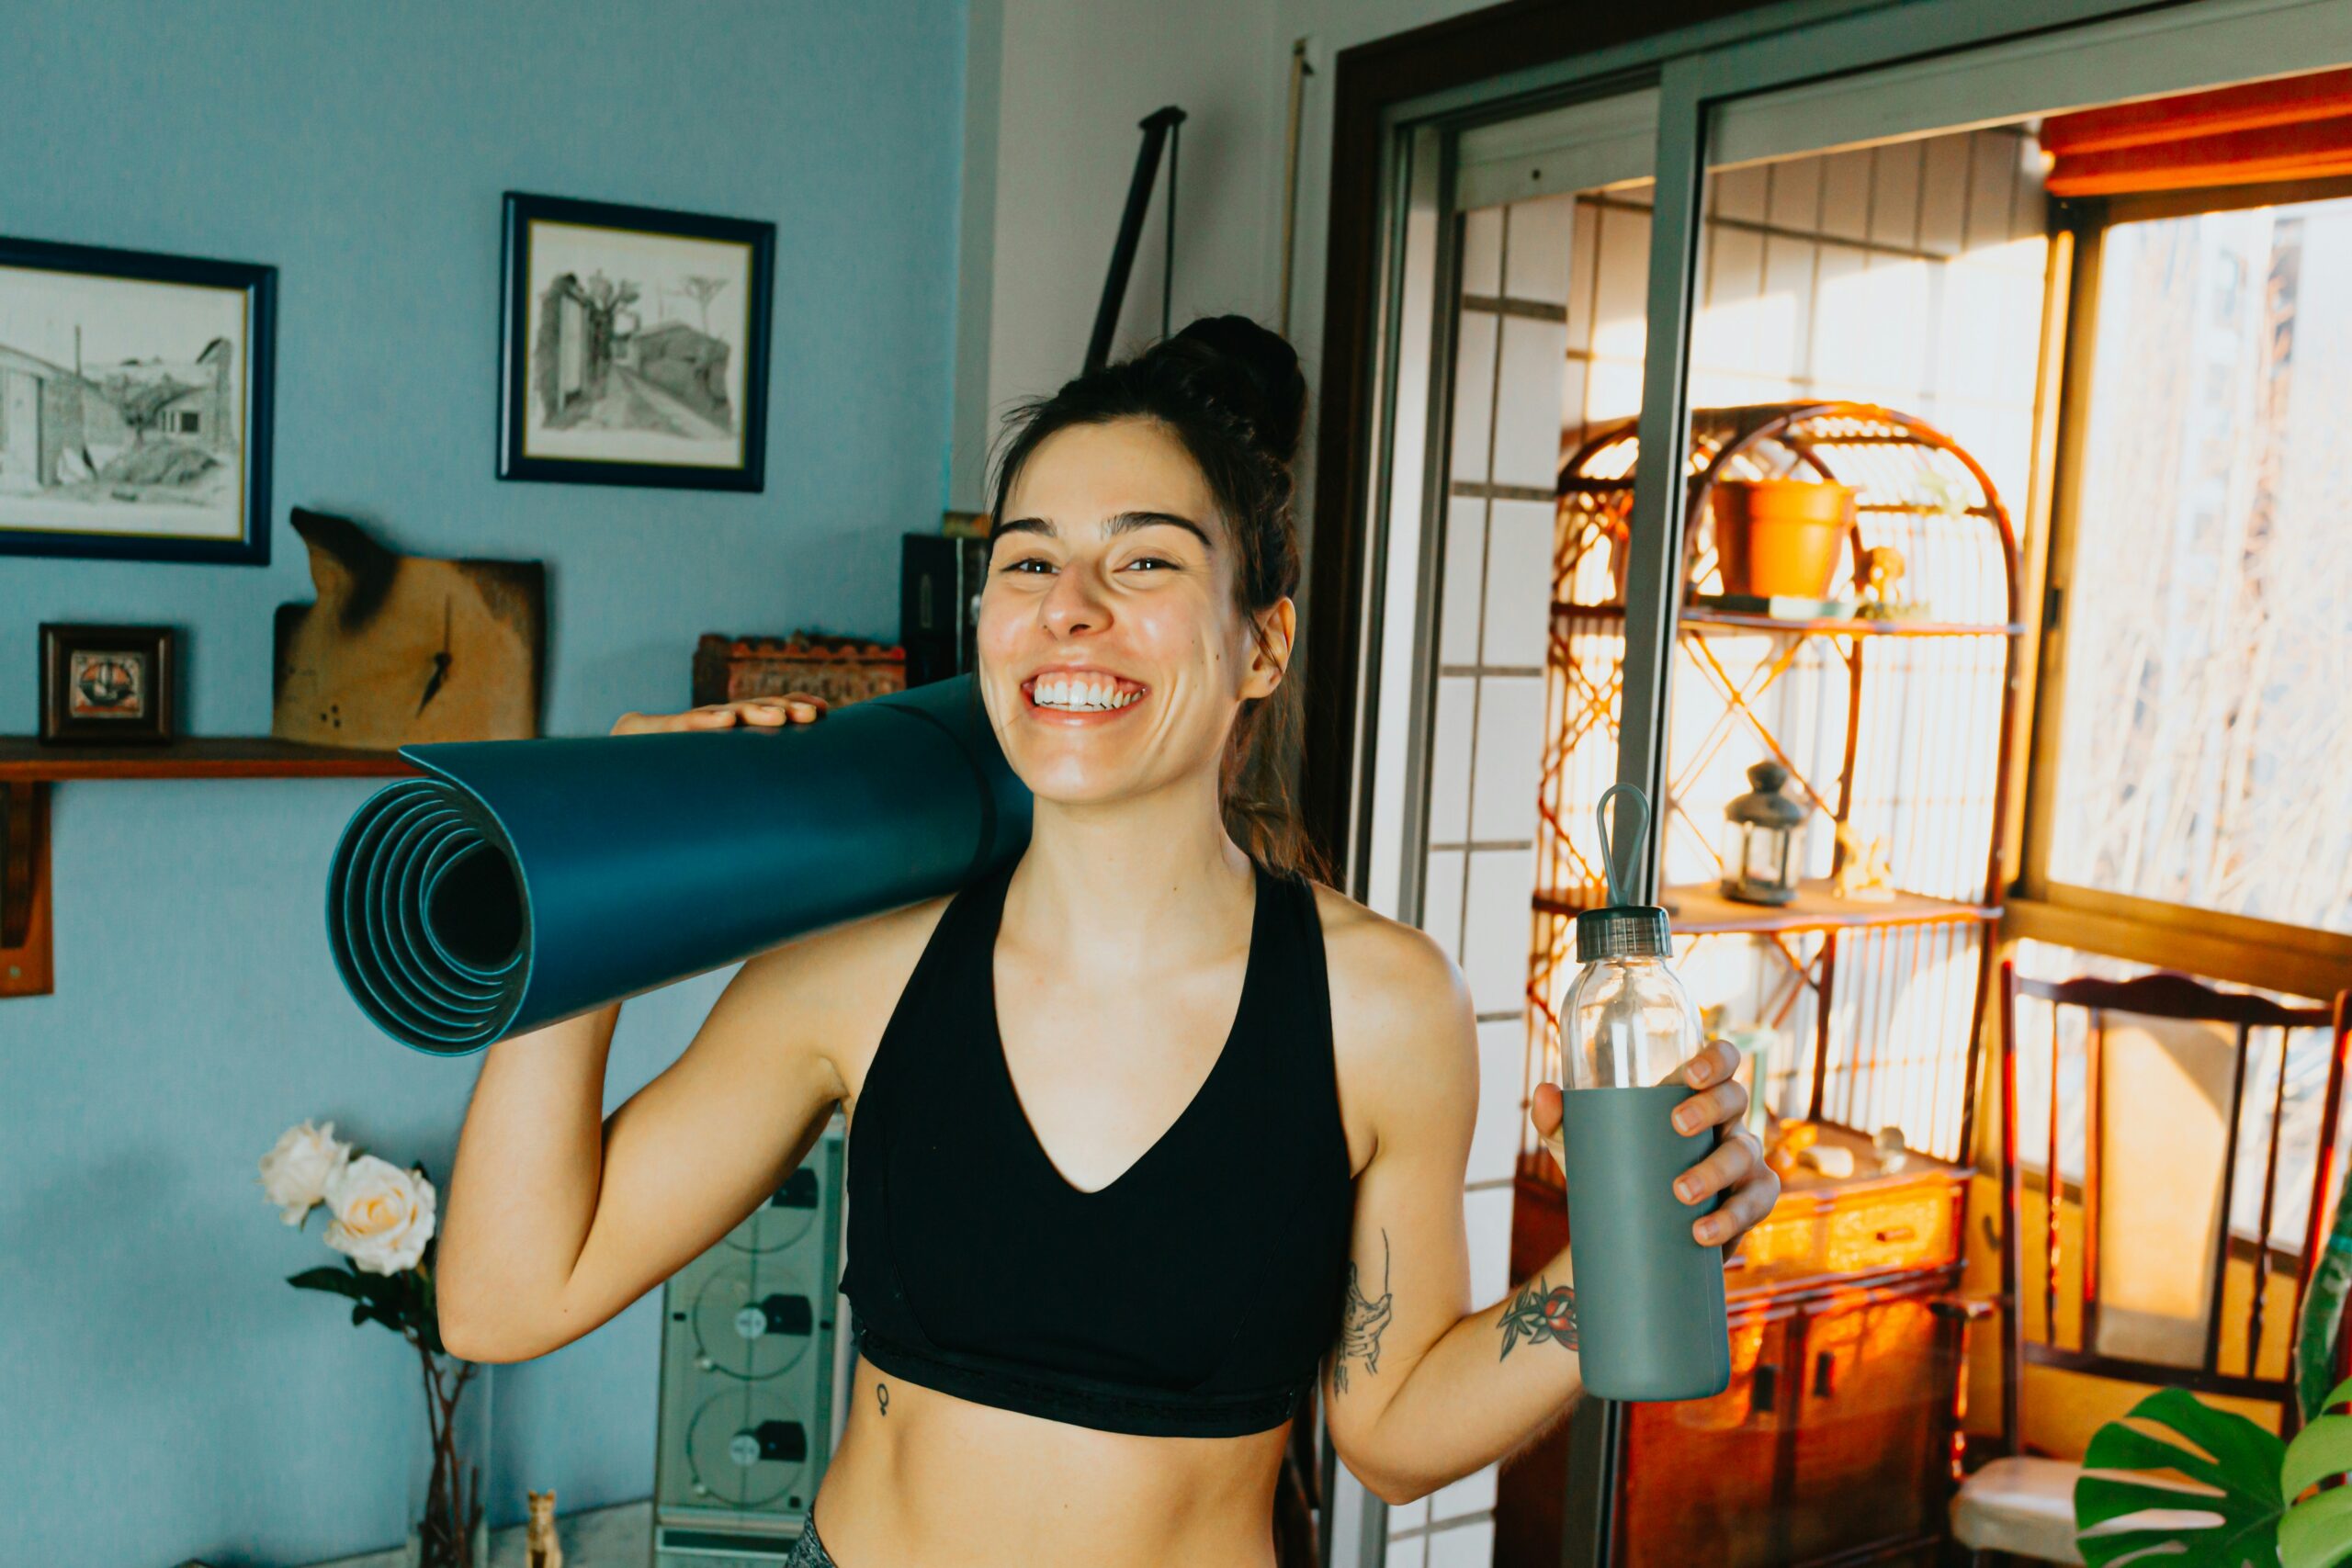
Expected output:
{"points": [[1779, 536], [380, 1218]]}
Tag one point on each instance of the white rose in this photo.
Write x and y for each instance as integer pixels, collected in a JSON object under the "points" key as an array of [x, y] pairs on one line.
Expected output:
{"points": [[383, 1215], [295, 1172]]}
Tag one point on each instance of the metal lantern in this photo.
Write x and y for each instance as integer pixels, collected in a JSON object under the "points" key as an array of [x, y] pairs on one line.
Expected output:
{"points": [[1767, 821]]}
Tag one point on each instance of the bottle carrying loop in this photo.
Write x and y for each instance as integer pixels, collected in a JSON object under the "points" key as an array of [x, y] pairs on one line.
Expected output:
{"points": [[1625, 928], [1621, 877]]}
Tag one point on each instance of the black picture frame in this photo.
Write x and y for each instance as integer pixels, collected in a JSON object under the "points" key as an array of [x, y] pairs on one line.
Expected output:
{"points": [[51, 404], [144, 661], [683, 397]]}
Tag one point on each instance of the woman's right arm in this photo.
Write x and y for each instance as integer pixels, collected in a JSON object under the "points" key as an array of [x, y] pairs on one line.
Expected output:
{"points": [[557, 1217]]}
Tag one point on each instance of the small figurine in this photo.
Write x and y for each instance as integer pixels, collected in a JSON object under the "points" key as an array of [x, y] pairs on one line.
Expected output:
{"points": [[1863, 871], [1833, 1160], [1894, 1149], [1882, 567], [540, 1545]]}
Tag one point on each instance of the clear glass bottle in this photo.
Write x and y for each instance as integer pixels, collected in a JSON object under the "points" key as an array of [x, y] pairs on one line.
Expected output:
{"points": [[1625, 1021], [1650, 1301]]}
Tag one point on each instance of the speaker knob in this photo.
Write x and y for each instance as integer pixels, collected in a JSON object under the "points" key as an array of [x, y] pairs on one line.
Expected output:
{"points": [[786, 1440], [775, 1314]]}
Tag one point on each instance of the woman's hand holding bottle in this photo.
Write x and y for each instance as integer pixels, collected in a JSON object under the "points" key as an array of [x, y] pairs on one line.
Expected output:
{"points": [[1736, 1166]]}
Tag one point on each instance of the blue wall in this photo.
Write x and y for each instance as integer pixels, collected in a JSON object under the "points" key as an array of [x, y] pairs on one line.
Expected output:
{"points": [[163, 1395]]}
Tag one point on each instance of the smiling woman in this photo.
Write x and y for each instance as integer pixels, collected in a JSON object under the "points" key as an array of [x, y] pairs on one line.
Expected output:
{"points": [[1198, 432], [1148, 1129]]}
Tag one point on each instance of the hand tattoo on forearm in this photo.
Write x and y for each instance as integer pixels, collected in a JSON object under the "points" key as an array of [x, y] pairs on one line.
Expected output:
{"points": [[1539, 1313], [1362, 1324]]}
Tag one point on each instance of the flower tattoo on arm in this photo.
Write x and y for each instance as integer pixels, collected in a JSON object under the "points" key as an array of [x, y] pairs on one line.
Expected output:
{"points": [[1539, 1313], [1362, 1323]]}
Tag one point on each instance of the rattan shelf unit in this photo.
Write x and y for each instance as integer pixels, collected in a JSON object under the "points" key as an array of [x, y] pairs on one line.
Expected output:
{"points": [[1896, 730]]}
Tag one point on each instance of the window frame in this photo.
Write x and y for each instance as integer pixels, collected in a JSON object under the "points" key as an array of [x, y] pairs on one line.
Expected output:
{"points": [[2302, 961]]}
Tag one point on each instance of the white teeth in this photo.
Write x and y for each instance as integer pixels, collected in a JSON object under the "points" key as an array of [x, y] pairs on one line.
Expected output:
{"points": [[1080, 694]]}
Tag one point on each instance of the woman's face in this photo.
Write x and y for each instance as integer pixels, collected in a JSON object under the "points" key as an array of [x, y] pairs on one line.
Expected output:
{"points": [[1112, 656]]}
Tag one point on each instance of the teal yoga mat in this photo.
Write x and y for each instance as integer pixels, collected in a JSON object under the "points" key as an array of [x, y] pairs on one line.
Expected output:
{"points": [[522, 882]]}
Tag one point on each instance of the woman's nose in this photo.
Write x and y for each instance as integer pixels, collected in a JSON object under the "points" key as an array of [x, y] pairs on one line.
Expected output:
{"points": [[1076, 604]]}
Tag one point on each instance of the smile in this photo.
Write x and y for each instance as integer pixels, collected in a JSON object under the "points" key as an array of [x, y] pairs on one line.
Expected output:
{"points": [[1082, 692]]}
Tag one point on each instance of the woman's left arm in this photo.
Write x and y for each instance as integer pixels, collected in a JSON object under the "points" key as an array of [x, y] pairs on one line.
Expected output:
{"points": [[1421, 1389]]}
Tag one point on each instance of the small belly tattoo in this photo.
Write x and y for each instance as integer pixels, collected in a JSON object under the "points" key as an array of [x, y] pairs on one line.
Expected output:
{"points": [[882, 1397]]}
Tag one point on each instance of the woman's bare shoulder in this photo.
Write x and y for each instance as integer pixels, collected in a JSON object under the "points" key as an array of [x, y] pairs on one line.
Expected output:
{"points": [[844, 980], [1404, 1041], [1393, 988]]}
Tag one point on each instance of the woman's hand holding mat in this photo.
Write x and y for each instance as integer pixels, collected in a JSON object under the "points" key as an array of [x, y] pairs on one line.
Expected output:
{"points": [[793, 707]]}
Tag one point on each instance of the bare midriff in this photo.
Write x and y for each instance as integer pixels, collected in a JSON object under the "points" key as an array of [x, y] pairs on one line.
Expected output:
{"points": [[925, 1477]]}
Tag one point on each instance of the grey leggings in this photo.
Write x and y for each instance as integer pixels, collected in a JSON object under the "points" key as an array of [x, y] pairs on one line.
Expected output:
{"points": [[808, 1551]]}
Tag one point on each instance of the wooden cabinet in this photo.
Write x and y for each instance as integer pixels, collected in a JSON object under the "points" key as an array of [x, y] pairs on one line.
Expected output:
{"points": [[1833, 1443]]}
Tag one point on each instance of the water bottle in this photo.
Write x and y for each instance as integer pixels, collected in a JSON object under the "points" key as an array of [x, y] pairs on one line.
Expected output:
{"points": [[1649, 1297]]}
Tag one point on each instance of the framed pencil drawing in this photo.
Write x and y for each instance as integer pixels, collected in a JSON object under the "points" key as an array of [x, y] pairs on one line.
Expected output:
{"points": [[634, 345], [135, 394]]}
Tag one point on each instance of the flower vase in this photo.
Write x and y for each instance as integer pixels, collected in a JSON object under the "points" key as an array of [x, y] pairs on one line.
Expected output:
{"points": [[449, 1519]]}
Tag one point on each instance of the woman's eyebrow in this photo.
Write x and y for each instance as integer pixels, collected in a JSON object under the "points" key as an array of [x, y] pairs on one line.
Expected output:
{"points": [[1128, 522], [1116, 525]]}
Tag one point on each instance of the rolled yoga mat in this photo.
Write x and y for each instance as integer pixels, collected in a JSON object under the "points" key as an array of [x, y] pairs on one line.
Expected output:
{"points": [[525, 881]]}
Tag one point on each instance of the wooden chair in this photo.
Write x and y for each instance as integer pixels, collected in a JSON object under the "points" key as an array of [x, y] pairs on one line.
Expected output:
{"points": [[2021, 1504]]}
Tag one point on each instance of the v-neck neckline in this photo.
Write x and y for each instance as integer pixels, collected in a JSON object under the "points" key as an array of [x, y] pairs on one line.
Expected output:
{"points": [[1025, 1131]]}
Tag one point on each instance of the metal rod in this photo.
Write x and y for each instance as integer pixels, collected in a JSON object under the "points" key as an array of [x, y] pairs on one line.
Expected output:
{"points": [[1155, 126], [1299, 71], [1168, 243], [1653, 579]]}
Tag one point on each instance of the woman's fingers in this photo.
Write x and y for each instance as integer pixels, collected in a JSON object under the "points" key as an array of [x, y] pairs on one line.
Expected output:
{"points": [[1544, 1110], [1716, 1107], [766, 712], [1717, 1062], [1736, 1166]]}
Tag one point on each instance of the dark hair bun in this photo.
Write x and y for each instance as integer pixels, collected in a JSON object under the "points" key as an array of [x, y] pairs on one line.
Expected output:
{"points": [[1258, 378]]}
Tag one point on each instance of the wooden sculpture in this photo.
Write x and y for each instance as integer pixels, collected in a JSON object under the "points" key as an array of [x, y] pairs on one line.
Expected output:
{"points": [[403, 648]]}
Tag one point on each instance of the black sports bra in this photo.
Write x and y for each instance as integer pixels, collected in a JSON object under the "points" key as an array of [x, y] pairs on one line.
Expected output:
{"points": [[1195, 1296]]}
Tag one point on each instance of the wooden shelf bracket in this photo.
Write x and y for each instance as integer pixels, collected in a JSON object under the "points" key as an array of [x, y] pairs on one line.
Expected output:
{"points": [[26, 967]]}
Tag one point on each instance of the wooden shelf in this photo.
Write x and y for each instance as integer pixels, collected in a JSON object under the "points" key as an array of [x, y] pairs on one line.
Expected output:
{"points": [[1849, 626], [1843, 626], [24, 760], [1700, 910], [27, 768]]}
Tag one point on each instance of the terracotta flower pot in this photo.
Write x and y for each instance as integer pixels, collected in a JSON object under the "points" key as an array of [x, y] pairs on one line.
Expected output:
{"points": [[1779, 536]]}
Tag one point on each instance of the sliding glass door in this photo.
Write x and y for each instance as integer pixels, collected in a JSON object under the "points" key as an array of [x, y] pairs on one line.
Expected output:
{"points": [[1645, 316]]}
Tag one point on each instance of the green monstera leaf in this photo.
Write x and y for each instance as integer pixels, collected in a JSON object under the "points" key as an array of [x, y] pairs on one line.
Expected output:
{"points": [[2240, 1478], [2232, 1466], [2317, 1532]]}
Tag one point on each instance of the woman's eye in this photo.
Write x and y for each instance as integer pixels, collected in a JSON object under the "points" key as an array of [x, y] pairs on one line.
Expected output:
{"points": [[1027, 562], [1153, 561]]}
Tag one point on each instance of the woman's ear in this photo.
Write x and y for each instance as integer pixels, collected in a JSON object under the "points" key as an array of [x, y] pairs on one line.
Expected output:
{"points": [[1270, 647]]}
